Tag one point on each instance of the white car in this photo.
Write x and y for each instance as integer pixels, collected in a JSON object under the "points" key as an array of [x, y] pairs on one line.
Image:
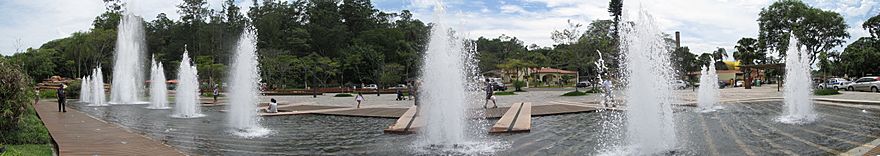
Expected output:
{"points": [[865, 84], [371, 86], [679, 84], [398, 86], [835, 83]]}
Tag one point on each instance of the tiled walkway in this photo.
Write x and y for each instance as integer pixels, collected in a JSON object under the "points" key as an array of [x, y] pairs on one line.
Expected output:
{"points": [[78, 134]]}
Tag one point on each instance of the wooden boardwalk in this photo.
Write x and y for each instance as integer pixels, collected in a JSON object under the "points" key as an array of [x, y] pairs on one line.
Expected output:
{"points": [[517, 119], [396, 112], [79, 134]]}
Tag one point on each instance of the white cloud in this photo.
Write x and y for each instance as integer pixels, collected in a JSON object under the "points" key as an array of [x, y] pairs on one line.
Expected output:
{"points": [[512, 9]]}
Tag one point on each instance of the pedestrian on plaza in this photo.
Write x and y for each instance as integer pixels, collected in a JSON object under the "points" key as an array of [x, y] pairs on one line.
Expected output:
{"points": [[37, 99], [216, 92], [489, 94], [359, 98], [61, 99], [273, 106], [399, 95]]}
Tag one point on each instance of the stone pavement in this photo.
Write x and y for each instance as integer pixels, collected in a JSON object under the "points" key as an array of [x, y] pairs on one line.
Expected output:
{"points": [[76, 133]]}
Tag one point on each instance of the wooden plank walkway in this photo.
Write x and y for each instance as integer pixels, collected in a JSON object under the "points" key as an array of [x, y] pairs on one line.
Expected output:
{"points": [[407, 123], [76, 133], [396, 112], [517, 119]]}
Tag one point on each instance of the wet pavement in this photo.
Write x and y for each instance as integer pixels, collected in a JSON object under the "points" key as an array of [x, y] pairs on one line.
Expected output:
{"points": [[742, 128]]}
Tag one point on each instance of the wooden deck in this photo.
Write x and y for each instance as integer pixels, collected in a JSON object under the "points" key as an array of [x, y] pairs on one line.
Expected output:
{"points": [[76, 133], [396, 112], [517, 119], [407, 123]]}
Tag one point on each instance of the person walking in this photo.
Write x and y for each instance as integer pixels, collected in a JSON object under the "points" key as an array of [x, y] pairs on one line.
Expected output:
{"points": [[62, 100], [489, 94], [359, 98], [399, 95], [216, 92]]}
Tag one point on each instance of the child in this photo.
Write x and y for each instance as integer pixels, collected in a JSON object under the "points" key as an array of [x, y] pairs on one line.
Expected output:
{"points": [[359, 98], [273, 106]]}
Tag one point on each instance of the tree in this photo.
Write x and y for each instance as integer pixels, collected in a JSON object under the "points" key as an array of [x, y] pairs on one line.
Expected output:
{"points": [[328, 32], [873, 26], [747, 52], [815, 29], [37, 63], [719, 54], [860, 57], [684, 61], [704, 59], [518, 66], [615, 8]]}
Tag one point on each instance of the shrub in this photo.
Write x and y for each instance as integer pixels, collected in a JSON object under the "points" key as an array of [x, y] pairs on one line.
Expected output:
{"points": [[72, 90], [504, 93], [518, 85], [48, 94], [826, 92], [574, 93], [17, 91], [342, 95]]}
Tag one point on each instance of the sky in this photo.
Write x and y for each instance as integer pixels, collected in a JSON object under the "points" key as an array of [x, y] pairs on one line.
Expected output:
{"points": [[705, 25]]}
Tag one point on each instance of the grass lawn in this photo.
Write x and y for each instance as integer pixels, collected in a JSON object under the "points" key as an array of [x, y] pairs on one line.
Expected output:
{"points": [[28, 149], [30, 138]]}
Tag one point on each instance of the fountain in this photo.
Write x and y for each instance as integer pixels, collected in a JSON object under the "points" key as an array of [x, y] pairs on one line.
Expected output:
{"points": [[84, 90], [186, 104], [708, 95], [797, 86], [158, 88], [97, 86], [244, 88], [128, 79], [446, 91], [650, 126]]}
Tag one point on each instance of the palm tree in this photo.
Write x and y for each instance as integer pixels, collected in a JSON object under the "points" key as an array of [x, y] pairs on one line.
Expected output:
{"points": [[719, 54]]}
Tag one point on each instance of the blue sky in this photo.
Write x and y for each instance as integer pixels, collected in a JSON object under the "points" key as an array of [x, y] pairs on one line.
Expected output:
{"points": [[704, 24]]}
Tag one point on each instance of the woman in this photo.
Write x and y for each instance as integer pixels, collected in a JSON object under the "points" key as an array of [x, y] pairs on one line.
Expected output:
{"points": [[359, 98]]}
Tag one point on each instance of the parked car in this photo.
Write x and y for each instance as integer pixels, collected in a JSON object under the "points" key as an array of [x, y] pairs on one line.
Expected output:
{"points": [[834, 83], [583, 84], [679, 84], [398, 86], [738, 83], [865, 84], [498, 86], [371, 86]]}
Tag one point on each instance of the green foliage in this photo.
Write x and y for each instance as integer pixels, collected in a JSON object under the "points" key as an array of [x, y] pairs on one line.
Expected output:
{"points": [[16, 90], [518, 85], [38, 63], [575, 93], [684, 61], [504, 93], [342, 95], [816, 30], [28, 149], [873, 26], [860, 57], [48, 94], [826, 92], [72, 89]]}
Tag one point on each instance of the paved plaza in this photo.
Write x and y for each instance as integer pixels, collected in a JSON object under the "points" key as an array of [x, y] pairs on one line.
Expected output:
{"points": [[116, 136]]}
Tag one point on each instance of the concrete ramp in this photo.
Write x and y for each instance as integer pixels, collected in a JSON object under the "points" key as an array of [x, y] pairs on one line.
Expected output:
{"points": [[517, 119], [407, 123]]}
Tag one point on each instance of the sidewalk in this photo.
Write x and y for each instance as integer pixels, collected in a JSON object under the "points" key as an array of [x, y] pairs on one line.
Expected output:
{"points": [[78, 134]]}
